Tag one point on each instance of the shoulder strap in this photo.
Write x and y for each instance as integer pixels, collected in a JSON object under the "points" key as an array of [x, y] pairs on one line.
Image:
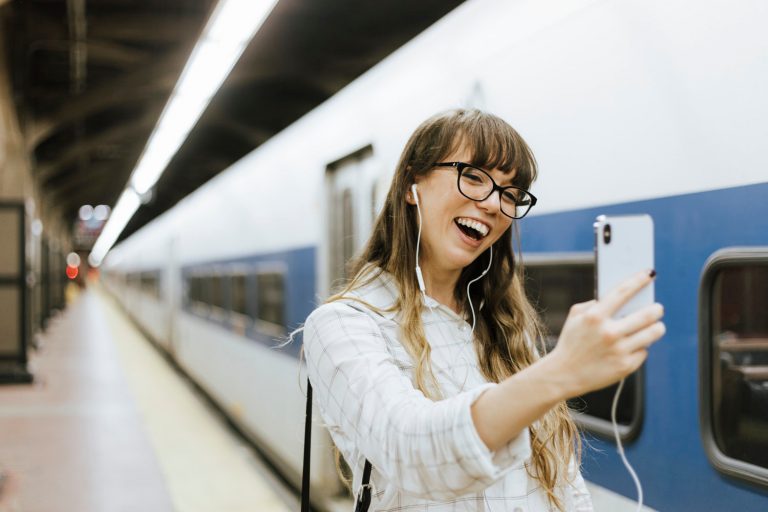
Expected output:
{"points": [[307, 442], [363, 498]]}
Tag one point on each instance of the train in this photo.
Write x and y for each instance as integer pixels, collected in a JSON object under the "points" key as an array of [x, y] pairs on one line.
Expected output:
{"points": [[630, 107]]}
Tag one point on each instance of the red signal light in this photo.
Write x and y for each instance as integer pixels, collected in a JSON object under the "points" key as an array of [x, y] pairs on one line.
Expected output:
{"points": [[71, 272]]}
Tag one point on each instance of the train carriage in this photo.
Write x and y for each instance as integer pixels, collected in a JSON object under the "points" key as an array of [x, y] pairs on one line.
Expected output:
{"points": [[630, 107]]}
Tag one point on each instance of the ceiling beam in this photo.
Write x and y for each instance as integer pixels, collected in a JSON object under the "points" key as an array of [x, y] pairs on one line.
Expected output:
{"points": [[157, 79], [117, 133], [99, 51], [96, 181], [145, 83], [147, 27], [133, 27]]}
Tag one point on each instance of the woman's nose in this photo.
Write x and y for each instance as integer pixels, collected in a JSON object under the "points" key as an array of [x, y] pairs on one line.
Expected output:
{"points": [[492, 203]]}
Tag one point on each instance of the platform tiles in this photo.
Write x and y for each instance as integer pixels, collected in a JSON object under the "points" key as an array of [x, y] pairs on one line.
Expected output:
{"points": [[108, 426]]}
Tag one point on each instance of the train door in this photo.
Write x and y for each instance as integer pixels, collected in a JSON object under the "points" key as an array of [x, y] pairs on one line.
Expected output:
{"points": [[351, 202]]}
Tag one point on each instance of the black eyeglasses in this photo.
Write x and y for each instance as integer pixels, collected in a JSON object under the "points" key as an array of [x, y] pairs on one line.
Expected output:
{"points": [[477, 185]]}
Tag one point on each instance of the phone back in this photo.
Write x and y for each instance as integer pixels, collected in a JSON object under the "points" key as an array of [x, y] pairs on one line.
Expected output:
{"points": [[623, 246]]}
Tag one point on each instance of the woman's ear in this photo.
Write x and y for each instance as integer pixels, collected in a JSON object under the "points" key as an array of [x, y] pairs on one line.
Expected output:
{"points": [[410, 195]]}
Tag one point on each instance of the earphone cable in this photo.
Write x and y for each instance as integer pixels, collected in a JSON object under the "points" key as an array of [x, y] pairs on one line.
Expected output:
{"points": [[469, 297], [621, 448], [419, 276]]}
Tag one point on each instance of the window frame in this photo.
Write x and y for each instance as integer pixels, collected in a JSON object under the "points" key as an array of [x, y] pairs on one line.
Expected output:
{"points": [[234, 275], [149, 283], [598, 426], [218, 312], [134, 280], [265, 326], [721, 259], [240, 321], [199, 305]]}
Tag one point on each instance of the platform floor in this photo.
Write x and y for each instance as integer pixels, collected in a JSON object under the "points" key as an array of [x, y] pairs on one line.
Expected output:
{"points": [[109, 425]]}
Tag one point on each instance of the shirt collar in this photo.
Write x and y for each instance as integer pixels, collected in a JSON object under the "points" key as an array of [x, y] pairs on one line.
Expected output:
{"points": [[382, 292]]}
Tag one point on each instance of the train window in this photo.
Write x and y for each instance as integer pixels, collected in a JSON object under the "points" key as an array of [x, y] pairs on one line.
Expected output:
{"points": [[150, 283], [134, 280], [734, 350], [554, 284], [238, 287], [270, 298], [195, 289], [216, 291]]}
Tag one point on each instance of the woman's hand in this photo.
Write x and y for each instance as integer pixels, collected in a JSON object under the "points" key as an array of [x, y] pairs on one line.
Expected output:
{"points": [[595, 350]]}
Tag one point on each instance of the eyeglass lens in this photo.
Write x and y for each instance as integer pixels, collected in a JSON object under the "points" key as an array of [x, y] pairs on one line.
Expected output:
{"points": [[477, 185]]}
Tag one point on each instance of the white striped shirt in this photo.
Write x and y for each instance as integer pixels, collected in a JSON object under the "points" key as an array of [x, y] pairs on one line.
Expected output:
{"points": [[426, 455]]}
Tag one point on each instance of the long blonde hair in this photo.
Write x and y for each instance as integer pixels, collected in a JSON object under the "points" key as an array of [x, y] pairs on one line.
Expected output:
{"points": [[509, 334]]}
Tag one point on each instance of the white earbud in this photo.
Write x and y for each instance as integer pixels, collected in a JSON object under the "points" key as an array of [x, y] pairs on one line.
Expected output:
{"points": [[489, 264], [471, 307], [419, 276]]}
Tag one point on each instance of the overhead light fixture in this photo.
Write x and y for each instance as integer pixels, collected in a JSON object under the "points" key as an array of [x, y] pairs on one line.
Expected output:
{"points": [[85, 212], [123, 211], [101, 212], [231, 26], [226, 35]]}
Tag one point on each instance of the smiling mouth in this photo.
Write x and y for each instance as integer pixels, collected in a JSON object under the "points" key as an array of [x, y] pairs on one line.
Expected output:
{"points": [[473, 229]]}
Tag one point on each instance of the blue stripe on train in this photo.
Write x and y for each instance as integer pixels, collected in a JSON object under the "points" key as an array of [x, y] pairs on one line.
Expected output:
{"points": [[669, 455], [299, 290]]}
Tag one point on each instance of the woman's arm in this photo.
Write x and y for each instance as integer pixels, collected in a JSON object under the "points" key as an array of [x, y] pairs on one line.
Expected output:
{"points": [[502, 412], [593, 351], [426, 448]]}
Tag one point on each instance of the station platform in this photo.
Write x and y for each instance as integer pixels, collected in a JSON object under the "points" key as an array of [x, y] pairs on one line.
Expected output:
{"points": [[109, 425]]}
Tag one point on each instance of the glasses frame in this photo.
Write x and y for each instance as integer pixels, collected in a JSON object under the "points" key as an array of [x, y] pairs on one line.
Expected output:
{"points": [[460, 166]]}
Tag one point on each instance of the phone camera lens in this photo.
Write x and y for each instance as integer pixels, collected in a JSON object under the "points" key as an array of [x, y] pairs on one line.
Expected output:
{"points": [[607, 234]]}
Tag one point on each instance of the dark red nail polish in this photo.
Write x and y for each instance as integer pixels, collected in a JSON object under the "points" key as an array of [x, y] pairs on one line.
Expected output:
{"points": [[652, 273]]}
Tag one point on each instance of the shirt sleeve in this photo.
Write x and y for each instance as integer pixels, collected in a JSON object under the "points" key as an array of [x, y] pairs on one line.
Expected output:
{"points": [[429, 449]]}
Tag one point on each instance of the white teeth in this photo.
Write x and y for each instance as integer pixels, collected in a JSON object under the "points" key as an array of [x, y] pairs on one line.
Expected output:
{"points": [[477, 226]]}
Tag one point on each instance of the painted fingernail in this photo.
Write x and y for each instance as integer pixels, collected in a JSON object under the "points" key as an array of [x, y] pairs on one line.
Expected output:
{"points": [[652, 273]]}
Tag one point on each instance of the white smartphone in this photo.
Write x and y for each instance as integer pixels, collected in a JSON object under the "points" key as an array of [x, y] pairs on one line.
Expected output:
{"points": [[623, 246]]}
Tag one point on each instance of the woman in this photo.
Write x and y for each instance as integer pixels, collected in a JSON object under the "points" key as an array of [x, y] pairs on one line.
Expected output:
{"points": [[427, 363]]}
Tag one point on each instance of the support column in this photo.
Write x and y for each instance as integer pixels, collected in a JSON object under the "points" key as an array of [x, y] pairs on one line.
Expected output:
{"points": [[16, 192]]}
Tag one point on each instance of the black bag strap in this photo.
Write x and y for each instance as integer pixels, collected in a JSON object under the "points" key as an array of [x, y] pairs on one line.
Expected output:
{"points": [[363, 498], [307, 442]]}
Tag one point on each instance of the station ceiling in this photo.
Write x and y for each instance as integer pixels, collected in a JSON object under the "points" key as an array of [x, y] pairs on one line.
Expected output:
{"points": [[90, 78]]}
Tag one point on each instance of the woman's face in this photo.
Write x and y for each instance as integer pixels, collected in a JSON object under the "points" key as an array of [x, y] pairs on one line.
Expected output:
{"points": [[447, 243]]}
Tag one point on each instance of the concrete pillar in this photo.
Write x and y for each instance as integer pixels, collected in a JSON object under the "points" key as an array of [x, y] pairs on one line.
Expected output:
{"points": [[17, 254], [15, 176]]}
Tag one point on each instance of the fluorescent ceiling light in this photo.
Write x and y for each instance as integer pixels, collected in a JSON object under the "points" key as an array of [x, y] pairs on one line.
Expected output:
{"points": [[226, 35], [230, 27], [208, 66], [237, 20], [124, 209]]}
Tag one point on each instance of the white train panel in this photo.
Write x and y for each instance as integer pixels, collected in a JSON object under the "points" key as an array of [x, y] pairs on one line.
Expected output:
{"points": [[244, 377]]}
